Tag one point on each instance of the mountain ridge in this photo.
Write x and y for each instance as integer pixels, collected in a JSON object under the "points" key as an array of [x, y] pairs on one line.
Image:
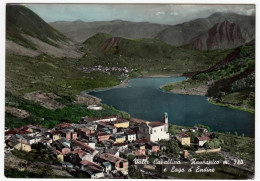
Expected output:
{"points": [[28, 34], [177, 35]]}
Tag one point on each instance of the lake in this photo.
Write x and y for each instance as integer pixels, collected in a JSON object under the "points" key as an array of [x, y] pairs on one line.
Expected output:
{"points": [[144, 99]]}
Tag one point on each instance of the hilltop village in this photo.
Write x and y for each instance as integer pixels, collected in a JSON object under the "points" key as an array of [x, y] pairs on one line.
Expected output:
{"points": [[100, 146]]}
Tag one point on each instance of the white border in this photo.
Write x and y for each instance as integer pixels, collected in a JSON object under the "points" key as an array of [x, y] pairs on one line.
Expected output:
{"points": [[2, 58]]}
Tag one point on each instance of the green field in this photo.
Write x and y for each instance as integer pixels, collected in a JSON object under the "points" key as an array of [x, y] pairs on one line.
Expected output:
{"points": [[49, 74]]}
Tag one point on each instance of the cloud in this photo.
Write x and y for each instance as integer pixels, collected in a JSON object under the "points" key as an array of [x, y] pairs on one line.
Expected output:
{"points": [[174, 13], [160, 13]]}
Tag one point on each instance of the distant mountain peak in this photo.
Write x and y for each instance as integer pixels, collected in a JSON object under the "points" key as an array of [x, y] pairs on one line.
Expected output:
{"points": [[28, 34], [217, 14]]}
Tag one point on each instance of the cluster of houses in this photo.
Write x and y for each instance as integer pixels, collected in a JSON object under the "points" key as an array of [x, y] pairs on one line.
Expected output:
{"points": [[184, 137], [124, 71], [94, 145]]}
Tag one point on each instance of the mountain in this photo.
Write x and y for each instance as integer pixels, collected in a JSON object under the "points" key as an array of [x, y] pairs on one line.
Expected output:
{"points": [[230, 82], [140, 48], [27, 34], [79, 30], [145, 55], [176, 35], [183, 33], [221, 36]]}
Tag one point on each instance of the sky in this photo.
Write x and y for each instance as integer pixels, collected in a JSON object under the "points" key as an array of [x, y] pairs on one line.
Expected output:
{"points": [[156, 13]]}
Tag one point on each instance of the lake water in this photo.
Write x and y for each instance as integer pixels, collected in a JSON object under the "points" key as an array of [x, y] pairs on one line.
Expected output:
{"points": [[144, 99]]}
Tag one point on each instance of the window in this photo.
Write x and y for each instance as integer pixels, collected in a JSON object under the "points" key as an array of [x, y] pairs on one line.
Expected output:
{"points": [[154, 131], [121, 165]]}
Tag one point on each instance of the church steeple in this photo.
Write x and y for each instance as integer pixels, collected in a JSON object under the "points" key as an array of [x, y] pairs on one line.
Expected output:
{"points": [[165, 118]]}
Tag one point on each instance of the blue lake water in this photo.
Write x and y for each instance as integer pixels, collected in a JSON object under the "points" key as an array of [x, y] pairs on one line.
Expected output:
{"points": [[144, 99]]}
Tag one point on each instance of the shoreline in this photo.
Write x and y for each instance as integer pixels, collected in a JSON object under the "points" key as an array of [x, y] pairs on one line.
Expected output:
{"points": [[160, 75], [123, 84], [201, 91], [231, 106]]}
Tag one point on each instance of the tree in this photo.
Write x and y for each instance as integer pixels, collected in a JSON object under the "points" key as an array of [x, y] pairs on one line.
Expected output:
{"points": [[215, 143], [134, 173], [125, 115], [172, 147], [130, 159]]}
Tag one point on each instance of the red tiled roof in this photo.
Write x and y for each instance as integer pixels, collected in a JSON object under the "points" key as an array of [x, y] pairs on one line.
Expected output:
{"points": [[106, 124], [102, 134], [203, 138], [23, 132], [80, 152], [63, 125], [120, 121], [138, 121], [111, 158], [144, 140], [91, 164], [183, 135], [156, 124], [10, 132], [85, 130], [54, 132], [83, 145], [120, 144], [130, 132]]}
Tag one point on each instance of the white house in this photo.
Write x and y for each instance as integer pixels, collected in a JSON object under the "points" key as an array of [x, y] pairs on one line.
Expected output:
{"points": [[155, 131], [202, 140], [130, 135]]}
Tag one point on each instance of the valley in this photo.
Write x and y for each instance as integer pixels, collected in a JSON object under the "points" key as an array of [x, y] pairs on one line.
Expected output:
{"points": [[70, 85]]}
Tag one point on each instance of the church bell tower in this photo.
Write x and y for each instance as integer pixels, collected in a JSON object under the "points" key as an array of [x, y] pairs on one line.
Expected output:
{"points": [[165, 118]]}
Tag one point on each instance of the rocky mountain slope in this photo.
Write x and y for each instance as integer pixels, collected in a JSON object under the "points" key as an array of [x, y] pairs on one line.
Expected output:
{"points": [[27, 34], [183, 33], [220, 36], [176, 35]]}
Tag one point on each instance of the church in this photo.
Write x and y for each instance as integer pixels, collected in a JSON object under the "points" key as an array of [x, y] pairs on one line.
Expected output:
{"points": [[154, 131]]}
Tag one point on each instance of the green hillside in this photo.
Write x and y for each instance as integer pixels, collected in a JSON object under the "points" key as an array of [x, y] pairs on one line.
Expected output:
{"points": [[26, 74], [231, 84], [146, 55], [21, 20]]}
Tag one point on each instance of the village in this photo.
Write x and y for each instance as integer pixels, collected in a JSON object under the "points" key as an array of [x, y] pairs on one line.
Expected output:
{"points": [[108, 70], [100, 147]]}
